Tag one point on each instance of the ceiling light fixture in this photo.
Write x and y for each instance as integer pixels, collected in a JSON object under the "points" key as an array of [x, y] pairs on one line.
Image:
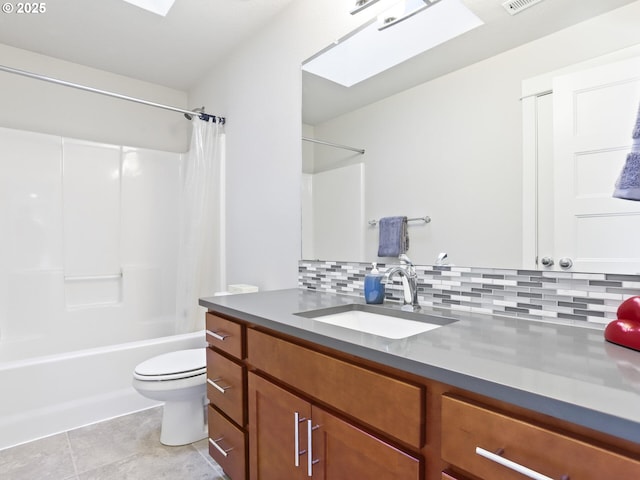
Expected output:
{"points": [[402, 11], [370, 50], [361, 5], [159, 7]]}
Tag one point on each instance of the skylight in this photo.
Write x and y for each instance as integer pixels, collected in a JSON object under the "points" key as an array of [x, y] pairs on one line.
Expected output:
{"points": [[159, 7], [374, 48]]}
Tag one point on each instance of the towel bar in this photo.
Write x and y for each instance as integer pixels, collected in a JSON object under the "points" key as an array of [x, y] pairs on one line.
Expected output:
{"points": [[425, 219]]}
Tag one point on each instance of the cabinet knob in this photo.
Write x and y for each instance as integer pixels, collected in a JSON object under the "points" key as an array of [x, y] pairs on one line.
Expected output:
{"points": [[565, 262], [547, 261]]}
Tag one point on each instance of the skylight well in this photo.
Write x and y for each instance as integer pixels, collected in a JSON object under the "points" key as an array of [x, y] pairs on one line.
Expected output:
{"points": [[159, 7], [409, 28]]}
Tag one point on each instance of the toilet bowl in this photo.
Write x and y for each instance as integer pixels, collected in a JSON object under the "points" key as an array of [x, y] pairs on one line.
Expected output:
{"points": [[179, 380]]}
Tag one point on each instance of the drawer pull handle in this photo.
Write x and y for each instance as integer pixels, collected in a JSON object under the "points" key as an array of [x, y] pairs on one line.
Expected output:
{"points": [[218, 335], [527, 472], [216, 386], [310, 460], [218, 447], [297, 420]]}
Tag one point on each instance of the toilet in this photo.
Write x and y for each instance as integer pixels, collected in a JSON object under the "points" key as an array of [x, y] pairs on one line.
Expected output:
{"points": [[179, 380]]}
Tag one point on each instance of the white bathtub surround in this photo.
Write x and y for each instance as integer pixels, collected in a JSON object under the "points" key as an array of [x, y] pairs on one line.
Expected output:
{"points": [[84, 262], [201, 248], [88, 267]]}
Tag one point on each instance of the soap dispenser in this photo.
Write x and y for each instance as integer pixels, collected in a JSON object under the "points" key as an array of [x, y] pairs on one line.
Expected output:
{"points": [[373, 286]]}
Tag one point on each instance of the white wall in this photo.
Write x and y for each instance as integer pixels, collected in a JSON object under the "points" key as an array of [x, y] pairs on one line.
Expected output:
{"points": [[258, 88], [34, 105], [338, 213]]}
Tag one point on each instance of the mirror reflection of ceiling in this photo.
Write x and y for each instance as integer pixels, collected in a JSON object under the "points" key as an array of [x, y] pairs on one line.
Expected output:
{"points": [[323, 100], [417, 27]]}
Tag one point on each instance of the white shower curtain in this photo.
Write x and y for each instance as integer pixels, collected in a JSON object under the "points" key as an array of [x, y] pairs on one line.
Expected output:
{"points": [[201, 249]]}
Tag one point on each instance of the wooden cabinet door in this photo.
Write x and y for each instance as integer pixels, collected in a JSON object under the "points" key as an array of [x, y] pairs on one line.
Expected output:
{"points": [[345, 452], [272, 439]]}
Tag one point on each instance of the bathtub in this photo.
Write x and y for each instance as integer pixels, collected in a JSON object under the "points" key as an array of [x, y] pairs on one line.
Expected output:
{"points": [[45, 395]]}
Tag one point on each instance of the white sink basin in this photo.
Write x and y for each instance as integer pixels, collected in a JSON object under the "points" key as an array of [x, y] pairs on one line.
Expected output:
{"points": [[380, 321]]}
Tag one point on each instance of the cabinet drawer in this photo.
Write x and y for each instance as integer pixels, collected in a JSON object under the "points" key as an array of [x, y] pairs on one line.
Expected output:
{"points": [[225, 335], [227, 445], [225, 385], [466, 426], [450, 476], [390, 405]]}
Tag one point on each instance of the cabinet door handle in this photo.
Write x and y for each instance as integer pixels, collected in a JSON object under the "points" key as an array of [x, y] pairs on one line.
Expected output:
{"points": [[527, 472], [297, 420], [218, 447], [216, 386], [310, 460], [218, 335]]}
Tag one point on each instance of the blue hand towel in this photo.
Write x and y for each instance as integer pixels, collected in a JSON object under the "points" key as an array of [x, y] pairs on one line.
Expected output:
{"points": [[628, 184], [393, 238]]}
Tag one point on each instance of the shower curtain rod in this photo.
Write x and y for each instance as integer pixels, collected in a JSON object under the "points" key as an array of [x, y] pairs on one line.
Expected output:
{"points": [[57, 81], [335, 145]]}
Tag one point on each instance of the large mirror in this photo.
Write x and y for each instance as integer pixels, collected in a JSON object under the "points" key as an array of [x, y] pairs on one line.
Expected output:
{"points": [[442, 135]]}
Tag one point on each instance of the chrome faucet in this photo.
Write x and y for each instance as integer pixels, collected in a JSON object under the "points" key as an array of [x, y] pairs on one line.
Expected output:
{"points": [[409, 278]]}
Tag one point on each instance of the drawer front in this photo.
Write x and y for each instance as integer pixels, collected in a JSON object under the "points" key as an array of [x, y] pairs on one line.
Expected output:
{"points": [[225, 386], [225, 335], [449, 476], [227, 445], [466, 427], [392, 406]]}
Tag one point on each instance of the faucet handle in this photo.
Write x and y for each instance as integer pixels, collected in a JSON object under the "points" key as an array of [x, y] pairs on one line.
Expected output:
{"points": [[404, 259]]}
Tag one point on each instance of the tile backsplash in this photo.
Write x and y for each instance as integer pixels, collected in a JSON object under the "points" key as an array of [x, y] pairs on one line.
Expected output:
{"points": [[562, 297]]}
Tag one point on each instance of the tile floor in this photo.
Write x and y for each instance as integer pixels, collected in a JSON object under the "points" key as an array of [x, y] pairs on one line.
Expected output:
{"points": [[124, 448]]}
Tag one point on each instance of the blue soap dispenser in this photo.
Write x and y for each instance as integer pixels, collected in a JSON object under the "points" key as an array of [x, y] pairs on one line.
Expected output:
{"points": [[373, 286]]}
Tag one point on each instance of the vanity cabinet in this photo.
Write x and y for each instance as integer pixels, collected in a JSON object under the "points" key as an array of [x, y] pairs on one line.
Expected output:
{"points": [[294, 439], [393, 407], [282, 407], [490, 444], [226, 391]]}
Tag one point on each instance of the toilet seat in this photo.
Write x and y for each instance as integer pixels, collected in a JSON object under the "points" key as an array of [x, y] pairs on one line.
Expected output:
{"points": [[173, 366]]}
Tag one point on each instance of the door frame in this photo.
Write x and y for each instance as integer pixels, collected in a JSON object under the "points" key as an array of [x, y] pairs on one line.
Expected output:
{"points": [[532, 89]]}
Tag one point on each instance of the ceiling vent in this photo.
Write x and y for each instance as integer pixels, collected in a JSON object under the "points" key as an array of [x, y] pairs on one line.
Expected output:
{"points": [[516, 6]]}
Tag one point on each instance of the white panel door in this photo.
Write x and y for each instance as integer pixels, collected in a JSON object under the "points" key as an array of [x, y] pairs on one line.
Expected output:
{"points": [[594, 114]]}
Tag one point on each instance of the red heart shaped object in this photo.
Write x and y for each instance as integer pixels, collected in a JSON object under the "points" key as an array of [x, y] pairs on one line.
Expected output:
{"points": [[630, 309], [624, 332]]}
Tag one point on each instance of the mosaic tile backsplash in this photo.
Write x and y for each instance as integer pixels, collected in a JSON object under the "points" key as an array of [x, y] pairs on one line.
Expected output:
{"points": [[561, 297]]}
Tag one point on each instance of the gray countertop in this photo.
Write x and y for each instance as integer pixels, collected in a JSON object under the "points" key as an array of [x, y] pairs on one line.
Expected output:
{"points": [[564, 371]]}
